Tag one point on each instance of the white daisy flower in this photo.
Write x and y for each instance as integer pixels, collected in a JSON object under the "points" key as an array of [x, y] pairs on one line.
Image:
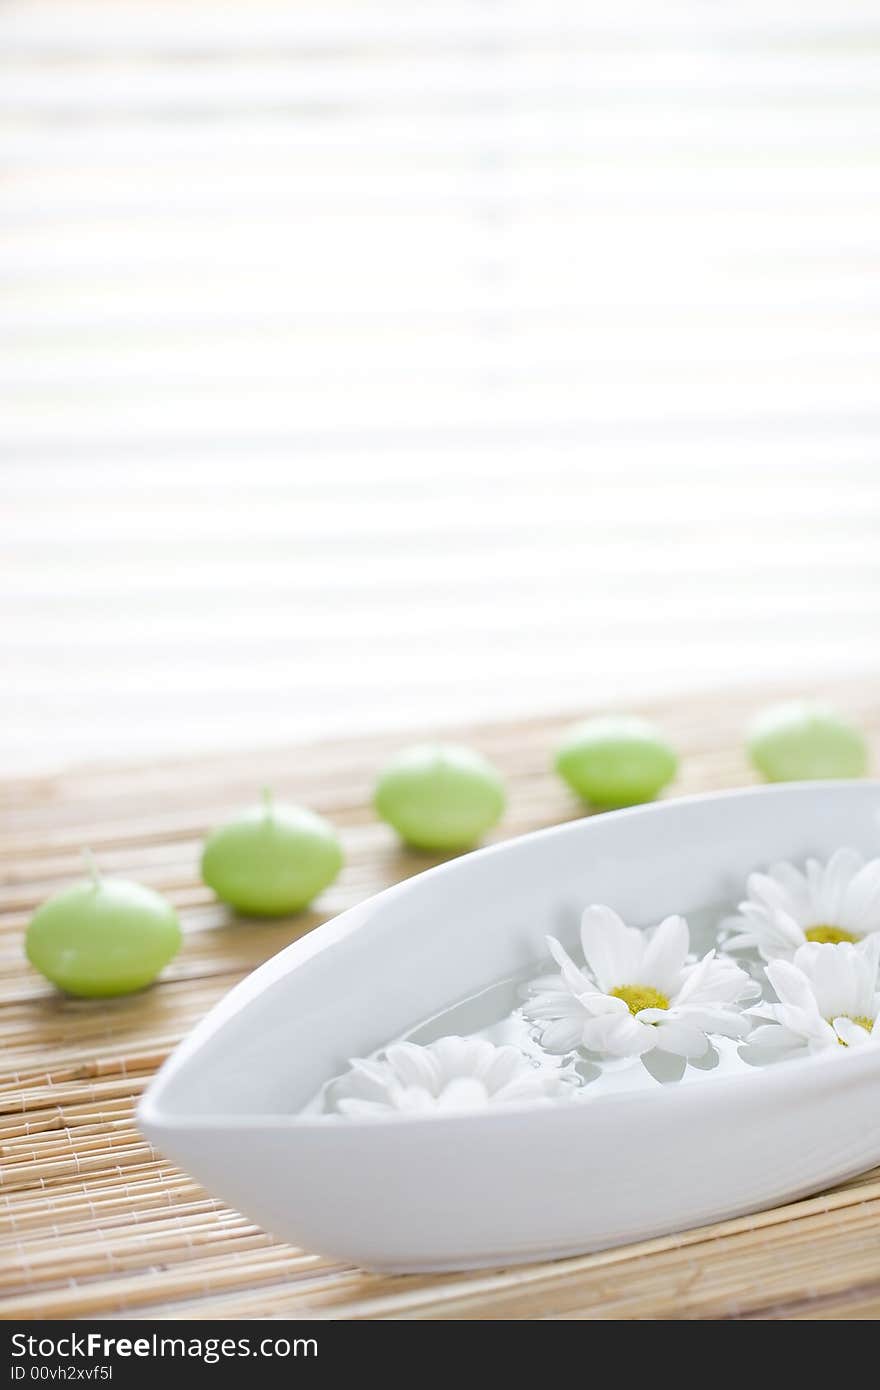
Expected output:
{"points": [[829, 996], [451, 1074], [828, 903], [639, 992]]}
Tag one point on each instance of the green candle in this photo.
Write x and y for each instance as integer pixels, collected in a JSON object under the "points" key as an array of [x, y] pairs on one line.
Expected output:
{"points": [[271, 860], [616, 761], [800, 740], [440, 796], [103, 936]]}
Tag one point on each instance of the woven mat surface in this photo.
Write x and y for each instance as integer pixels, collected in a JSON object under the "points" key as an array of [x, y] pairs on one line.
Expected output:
{"points": [[94, 1222]]}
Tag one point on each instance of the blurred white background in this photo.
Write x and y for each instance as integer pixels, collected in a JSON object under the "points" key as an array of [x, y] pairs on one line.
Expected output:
{"points": [[386, 365]]}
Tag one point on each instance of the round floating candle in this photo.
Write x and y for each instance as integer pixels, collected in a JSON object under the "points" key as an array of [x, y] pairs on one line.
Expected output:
{"points": [[440, 796], [272, 859], [103, 936], [616, 761], [800, 740]]}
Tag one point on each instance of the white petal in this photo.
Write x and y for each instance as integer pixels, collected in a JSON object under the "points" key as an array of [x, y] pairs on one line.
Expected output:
{"points": [[774, 1037], [740, 941], [682, 1039], [505, 1065], [664, 955], [715, 979], [827, 969], [869, 947], [574, 979], [765, 1009], [363, 1109], [535, 1084], [619, 1036], [838, 976], [463, 1093], [562, 1004], [774, 932], [440, 1060], [782, 936], [370, 1071], [791, 984], [597, 1003], [729, 1022], [795, 885], [770, 893], [565, 1035], [840, 870], [612, 951], [860, 911], [853, 1034], [543, 984], [824, 1040], [652, 1015]]}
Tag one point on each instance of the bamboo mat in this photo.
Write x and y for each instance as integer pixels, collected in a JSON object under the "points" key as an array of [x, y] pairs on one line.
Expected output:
{"points": [[95, 1223]]}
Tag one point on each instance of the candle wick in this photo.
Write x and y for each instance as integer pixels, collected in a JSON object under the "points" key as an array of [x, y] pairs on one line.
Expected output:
{"points": [[268, 801], [92, 867]]}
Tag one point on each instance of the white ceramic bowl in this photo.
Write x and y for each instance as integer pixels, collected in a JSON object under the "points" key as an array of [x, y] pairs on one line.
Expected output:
{"points": [[426, 1193]]}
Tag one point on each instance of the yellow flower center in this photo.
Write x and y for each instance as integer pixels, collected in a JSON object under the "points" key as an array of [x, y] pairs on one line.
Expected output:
{"points": [[829, 936], [638, 997]]}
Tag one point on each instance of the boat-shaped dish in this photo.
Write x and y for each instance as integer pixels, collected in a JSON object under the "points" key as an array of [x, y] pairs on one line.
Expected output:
{"points": [[514, 1184]]}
